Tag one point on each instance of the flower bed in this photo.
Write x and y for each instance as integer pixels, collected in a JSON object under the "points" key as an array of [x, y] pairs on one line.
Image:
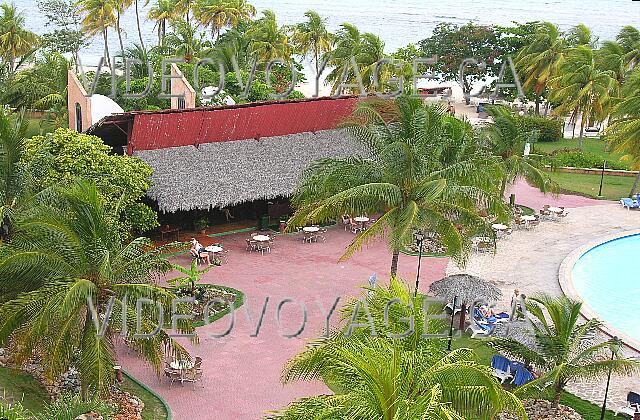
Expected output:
{"points": [[205, 293]]}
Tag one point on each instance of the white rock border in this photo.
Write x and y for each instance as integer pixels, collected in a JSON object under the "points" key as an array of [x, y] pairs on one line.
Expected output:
{"points": [[565, 278]]}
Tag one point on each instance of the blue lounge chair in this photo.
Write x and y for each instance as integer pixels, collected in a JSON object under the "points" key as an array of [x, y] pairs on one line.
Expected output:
{"points": [[501, 367], [481, 328], [629, 203], [501, 317], [522, 376]]}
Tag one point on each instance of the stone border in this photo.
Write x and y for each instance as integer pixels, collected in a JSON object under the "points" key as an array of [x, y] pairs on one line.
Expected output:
{"points": [[152, 392], [566, 284]]}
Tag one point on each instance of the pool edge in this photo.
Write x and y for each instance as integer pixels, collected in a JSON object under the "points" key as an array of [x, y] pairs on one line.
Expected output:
{"points": [[565, 278]]}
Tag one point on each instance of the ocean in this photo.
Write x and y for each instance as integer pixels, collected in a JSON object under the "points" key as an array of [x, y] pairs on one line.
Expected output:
{"points": [[399, 22]]}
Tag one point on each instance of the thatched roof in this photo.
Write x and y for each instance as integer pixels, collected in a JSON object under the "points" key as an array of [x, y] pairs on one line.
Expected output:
{"points": [[223, 174], [466, 287]]}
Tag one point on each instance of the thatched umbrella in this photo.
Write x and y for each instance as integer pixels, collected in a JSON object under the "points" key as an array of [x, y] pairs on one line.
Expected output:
{"points": [[467, 289]]}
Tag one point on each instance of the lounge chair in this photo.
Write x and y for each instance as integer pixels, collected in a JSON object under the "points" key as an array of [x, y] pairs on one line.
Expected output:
{"points": [[501, 367], [522, 375], [633, 401], [449, 308], [480, 328], [501, 317], [629, 203]]}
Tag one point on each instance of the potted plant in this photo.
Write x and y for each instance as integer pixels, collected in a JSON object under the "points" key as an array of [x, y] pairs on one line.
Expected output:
{"points": [[200, 225]]}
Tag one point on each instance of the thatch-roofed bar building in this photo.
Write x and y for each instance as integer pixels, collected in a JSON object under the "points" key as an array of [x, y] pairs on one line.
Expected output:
{"points": [[219, 157]]}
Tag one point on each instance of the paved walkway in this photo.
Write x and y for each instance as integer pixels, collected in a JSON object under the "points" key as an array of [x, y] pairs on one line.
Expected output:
{"points": [[242, 373], [529, 261]]}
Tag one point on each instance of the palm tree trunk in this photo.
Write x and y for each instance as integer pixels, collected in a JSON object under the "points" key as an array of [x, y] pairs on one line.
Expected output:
{"points": [[538, 105], [634, 187], [316, 57], [556, 396], [105, 35], [138, 23], [463, 311], [119, 33], [581, 133], [394, 263]]}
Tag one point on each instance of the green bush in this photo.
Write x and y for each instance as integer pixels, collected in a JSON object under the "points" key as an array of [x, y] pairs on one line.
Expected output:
{"points": [[548, 129], [576, 158]]}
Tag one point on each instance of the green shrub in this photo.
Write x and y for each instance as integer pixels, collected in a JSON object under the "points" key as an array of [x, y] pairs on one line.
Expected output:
{"points": [[580, 159], [549, 129]]}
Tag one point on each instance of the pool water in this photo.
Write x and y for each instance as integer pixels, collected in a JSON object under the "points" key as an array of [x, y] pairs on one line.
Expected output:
{"points": [[607, 278]]}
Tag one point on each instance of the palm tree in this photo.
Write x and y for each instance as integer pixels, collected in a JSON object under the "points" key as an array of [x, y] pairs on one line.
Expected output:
{"points": [[240, 11], [583, 88], [191, 275], [623, 134], [423, 170], [508, 140], [312, 37], [611, 56], [403, 378], [65, 259], [365, 48], [186, 41], [629, 39], [137, 10], [15, 40], [120, 7], [581, 35], [16, 184], [99, 15], [268, 41], [161, 12], [563, 351], [540, 60]]}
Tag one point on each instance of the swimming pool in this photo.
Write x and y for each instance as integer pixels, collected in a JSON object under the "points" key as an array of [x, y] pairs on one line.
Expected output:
{"points": [[607, 279]]}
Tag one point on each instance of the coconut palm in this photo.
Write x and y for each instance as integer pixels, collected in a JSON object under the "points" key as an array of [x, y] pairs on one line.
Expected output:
{"points": [[120, 7], [611, 56], [15, 40], [384, 378], [137, 11], [17, 187], [219, 14], [419, 169], [268, 41], [312, 37], [581, 35], [508, 140], [623, 134], [185, 41], [99, 16], [64, 260], [162, 12], [582, 88], [365, 48], [540, 60], [563, 348], [629, 39]]}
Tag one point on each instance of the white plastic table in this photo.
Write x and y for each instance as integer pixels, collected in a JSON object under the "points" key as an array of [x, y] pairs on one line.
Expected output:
{"points": [[213, 249], [555, 209], [527, 219], [499, 226], [311, 229], [361, 219], [261, 238], [181, 364]]}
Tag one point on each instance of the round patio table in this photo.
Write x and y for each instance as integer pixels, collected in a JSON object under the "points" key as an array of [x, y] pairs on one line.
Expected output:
{"points": [[311, 229], [261, 238], [527, 219], [361, 219], [499, 226], [181, 364], [213, 249], [555, 209]]}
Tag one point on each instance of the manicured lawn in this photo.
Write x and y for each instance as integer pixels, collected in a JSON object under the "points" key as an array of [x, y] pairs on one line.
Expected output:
{"points": [[17, 386], [613, 187], [593, 145], [153, 408]]}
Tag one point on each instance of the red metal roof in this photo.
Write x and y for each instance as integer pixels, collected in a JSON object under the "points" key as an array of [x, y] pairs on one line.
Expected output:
{"points": [[172, 128]]}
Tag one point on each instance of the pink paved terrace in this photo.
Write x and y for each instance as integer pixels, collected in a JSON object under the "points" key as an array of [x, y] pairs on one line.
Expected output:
{"points": [[242, 373]]}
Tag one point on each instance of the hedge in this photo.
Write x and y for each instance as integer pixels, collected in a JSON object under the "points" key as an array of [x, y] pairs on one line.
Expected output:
{"points": [[580, 159], [549, 129]]}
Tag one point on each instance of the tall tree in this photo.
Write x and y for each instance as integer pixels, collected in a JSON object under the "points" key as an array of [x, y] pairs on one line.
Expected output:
{"points": [[161, 12], [68, 254], [424, 170], [623, 134], [312, 37], [15, 40], [99, 16], [582, 88], [562, 348], [629, 39], [64, 16], [219, 14], [185, 41], [267, 40], [540, 61], [508, 140]]}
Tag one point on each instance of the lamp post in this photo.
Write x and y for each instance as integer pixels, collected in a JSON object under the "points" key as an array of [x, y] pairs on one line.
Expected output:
{"points": [[420, 238], [606, 390], [604, 166], [453, 314]]}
